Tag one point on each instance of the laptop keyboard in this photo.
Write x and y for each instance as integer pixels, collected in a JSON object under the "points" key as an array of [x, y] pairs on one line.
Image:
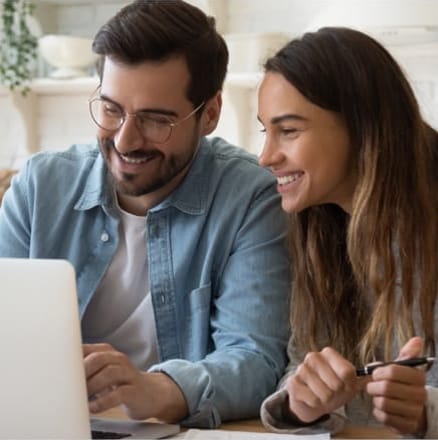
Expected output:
{"points": [[107, 434]]}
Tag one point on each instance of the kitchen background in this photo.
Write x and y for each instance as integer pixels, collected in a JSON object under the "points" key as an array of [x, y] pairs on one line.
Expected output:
{"points": [[55, 113]]}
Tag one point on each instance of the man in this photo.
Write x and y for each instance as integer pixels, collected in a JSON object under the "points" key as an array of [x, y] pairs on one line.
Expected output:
{"points": [[177, 240]]}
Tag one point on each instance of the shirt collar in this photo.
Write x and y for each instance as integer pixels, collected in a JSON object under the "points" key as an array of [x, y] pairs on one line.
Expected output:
{"points": [[189, 197], [98, 187]]}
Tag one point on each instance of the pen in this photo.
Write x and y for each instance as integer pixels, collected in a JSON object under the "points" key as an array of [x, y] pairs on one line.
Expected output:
{"points": [[413, 362]]}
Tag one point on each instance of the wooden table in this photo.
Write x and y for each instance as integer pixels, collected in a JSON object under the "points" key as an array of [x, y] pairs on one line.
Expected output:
{"points": [[350, 431], [255, 425]]}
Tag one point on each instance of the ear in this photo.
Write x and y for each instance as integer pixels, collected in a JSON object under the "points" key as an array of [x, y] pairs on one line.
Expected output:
{"points": [[211, 113]]}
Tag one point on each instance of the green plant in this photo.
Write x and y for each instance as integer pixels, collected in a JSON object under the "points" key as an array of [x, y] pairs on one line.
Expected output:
{"points": [[18, 46]]}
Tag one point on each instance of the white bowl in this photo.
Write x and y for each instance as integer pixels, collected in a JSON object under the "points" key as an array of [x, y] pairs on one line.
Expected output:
{"points": [[70, 55]]}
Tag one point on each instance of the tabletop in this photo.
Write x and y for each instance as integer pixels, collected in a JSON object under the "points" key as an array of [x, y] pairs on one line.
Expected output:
{"points": [[255, 425]]}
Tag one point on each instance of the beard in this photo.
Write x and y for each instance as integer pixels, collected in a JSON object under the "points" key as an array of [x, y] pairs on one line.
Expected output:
{"points": [[134, 185]]}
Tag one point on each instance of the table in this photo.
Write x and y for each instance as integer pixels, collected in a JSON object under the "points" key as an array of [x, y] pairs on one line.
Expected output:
{"points": [[255, 425]]}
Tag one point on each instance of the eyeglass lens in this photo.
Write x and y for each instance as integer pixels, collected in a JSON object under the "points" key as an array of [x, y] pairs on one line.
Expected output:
{"points": [[111, 117]]}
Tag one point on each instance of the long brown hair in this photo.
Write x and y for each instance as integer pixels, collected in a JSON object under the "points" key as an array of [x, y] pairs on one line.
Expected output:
{"points": [[369, 279]]}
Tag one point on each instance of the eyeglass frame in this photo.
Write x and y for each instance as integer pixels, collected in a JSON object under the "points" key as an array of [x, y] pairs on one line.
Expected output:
{"points": [[125, 115]]}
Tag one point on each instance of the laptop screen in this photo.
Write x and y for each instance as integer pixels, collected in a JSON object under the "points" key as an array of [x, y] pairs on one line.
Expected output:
{"points": [[43, 381], [42, 378]]}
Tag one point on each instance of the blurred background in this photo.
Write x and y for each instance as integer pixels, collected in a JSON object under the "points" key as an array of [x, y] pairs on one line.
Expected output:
{"points": [[54, 113]]}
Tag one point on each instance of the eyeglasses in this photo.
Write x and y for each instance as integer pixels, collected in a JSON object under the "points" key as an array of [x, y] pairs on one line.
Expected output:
{"points": [[154, 127]]}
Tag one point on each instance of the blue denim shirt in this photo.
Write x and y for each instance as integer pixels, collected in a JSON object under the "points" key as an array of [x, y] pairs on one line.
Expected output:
{"points": [[219, 271]]}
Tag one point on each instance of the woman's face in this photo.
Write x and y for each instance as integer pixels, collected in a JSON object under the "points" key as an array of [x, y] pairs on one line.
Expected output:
{"points": [[306, 146]]}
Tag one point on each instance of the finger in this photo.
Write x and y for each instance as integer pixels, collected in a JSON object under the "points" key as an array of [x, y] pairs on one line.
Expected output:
{"points": [[400, 424], [300, 393], [404, 408], [344, 370], [94, 348], [110, 376], [413, 348], [320, 392], [316, 364], [334, 370], [105, 401], [394, 390], [96, 361], [303, 402], [401, 374]]}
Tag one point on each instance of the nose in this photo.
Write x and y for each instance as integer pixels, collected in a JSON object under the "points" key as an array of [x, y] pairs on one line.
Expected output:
{"points": [[271, 154], [128, 137]]}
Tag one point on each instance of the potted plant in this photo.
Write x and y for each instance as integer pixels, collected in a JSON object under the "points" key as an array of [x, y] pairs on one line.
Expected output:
{"points": [[18, 46]]}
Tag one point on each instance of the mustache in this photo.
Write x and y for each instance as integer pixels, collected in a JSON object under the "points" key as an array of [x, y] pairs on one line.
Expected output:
{"points": [[108, 144]]}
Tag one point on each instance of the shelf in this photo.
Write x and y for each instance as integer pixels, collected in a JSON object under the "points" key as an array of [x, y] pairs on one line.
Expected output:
{"points": [[74, 86], [47, 86]]}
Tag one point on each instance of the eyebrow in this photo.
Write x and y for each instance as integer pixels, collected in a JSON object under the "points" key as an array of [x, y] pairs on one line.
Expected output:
{"points": [[158, 111], [285, 117]]}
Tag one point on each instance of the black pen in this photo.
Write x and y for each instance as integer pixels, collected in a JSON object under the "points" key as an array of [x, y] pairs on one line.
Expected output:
{"points": [[413, 362]]}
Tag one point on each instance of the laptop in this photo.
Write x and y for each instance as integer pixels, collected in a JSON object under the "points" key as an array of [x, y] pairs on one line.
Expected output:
{"points": [[42, 379]]}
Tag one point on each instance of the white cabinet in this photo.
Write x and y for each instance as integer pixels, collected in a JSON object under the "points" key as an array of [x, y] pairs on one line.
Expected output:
{"points": [[55, 115], [51, 117]]}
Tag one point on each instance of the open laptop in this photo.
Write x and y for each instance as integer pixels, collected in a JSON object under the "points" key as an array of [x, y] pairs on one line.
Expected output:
{"points": [[42, 379]]}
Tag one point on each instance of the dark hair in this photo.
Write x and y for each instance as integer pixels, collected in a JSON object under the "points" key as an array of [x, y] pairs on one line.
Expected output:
{"points": [[154, 30], [347, 268]]}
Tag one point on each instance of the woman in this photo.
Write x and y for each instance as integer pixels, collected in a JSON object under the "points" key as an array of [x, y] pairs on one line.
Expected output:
{"points": [[357, 170]]}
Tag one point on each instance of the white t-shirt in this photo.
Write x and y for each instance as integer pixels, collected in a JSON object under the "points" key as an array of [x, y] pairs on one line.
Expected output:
{"points": [[121, 312]]}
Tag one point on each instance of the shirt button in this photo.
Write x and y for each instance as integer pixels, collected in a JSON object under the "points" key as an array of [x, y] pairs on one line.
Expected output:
{"points": [[104, 237]]}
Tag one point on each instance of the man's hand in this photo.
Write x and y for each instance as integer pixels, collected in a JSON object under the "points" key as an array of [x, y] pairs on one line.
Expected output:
{"points": [[399, 394], [112, 380], [322, 383]]}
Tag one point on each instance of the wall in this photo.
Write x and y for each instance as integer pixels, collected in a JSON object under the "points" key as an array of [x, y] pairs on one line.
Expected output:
{"points": [[80, 18], [83, 17], [59, 111]]}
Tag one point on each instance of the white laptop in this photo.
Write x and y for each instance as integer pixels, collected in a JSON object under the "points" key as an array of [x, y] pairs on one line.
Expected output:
{"points": [[42, 380]]}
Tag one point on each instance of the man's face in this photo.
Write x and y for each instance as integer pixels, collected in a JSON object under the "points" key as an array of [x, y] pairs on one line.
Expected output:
{"points": [[141, 166]]}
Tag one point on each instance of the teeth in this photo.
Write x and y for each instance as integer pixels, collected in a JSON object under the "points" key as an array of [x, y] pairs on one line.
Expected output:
{"points": [[283, 180], [134, 160]]}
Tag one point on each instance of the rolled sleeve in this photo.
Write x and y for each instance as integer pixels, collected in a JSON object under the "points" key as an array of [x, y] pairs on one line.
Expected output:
{"points": [[276, 417]]}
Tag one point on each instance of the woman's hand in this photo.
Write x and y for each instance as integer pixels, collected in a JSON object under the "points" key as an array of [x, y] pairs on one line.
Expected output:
{"points": [[398, 393], [322, 383]]}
